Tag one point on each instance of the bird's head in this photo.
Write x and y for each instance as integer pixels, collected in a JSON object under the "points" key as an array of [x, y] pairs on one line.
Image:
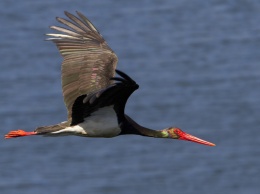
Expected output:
{"points": [[176, 133]]}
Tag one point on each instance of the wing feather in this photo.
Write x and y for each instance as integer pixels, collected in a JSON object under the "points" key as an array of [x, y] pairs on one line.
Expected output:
{"points": [[116, 94], [88, 61], [89, 24]]}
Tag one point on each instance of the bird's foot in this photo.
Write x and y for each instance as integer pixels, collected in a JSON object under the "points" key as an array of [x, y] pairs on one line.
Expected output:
{"points": [[18, 133]]}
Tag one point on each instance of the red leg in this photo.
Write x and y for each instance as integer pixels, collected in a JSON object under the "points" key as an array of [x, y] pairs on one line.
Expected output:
{"points": [[18, 133]]}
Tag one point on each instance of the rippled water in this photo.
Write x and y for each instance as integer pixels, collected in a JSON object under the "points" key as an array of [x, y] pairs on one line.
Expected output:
{"points": [[197, 64]]}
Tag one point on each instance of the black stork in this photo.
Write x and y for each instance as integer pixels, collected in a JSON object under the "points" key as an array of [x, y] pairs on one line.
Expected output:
{"points": [[94, 97]]}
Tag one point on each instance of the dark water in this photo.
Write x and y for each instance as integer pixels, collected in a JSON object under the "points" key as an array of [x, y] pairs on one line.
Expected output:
{"points": [[198, 65]]}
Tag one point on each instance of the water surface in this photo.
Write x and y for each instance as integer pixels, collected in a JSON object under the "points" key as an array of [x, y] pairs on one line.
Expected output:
{"points": [[197, 64]]}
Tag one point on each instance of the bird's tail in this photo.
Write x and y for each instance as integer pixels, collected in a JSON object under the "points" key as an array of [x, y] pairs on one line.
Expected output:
{"points": [[45, 130]]}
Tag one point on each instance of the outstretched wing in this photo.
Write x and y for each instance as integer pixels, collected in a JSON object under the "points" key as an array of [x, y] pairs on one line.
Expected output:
{"points": [[115, 95], [88, 63]]}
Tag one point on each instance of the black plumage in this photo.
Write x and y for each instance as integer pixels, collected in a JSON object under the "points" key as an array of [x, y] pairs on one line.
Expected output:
{"points": [[115, 95]]}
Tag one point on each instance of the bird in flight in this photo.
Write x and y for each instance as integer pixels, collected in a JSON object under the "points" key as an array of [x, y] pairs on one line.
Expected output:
{"points": [[94, 96]]}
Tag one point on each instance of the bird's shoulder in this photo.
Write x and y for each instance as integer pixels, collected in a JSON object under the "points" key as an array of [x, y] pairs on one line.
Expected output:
{"points": [[115, 95]]}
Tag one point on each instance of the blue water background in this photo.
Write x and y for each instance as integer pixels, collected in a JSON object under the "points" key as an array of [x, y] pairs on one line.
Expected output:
{"points": [[198, 67]]}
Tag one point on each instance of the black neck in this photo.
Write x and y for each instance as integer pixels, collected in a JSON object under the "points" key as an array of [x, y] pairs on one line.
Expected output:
{"points": [[129, 126]]}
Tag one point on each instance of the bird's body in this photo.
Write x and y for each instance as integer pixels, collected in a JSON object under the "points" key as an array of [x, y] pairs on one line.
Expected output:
{"points": [[95, 98], [102, 123]]}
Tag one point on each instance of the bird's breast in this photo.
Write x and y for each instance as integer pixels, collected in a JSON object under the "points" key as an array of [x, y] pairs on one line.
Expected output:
{"points": [[102, 123]]}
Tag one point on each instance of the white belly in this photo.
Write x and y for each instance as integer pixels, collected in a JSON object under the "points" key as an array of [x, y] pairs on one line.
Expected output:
{"points": [[102, 123]]}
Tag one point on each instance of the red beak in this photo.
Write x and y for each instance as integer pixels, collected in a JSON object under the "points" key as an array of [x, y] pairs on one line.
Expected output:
{"points": [[188, 137]]}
